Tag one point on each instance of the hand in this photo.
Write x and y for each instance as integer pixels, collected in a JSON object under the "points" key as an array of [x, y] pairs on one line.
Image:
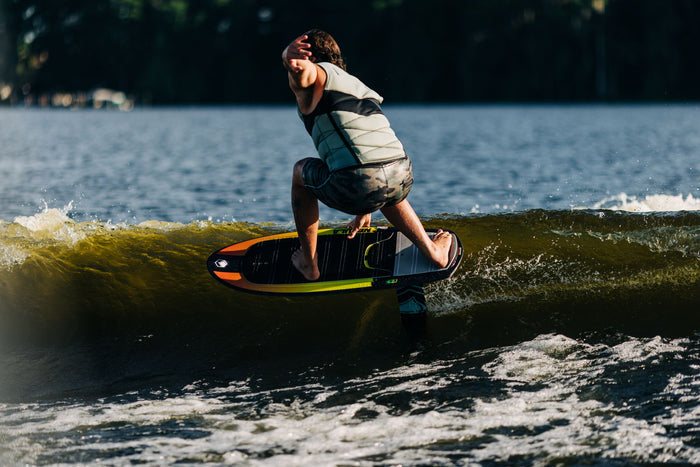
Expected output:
{"points": [[363, 220], [297, 50]]}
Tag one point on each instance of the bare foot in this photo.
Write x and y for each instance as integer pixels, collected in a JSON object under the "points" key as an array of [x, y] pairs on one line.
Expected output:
{"points": [[309, 271], [443, 242]]}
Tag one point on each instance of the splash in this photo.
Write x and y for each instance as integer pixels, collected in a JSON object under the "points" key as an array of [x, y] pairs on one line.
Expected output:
{"points": [[11, 255], [650, 203], [49, 225]]}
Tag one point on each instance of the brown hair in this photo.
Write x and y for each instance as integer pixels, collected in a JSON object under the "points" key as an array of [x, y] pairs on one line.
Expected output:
{"points": [[324, 47]]}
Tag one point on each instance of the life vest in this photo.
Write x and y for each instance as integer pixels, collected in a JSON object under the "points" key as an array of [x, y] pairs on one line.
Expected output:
{"points": [[348, 126]]}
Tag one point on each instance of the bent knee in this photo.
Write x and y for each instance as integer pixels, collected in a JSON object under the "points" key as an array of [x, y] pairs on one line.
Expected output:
{"points": [[299, 167], [298, 170]]}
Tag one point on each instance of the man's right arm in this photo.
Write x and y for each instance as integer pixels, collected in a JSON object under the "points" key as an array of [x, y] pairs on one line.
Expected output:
{"points": [[303, 74], [296, 58]]}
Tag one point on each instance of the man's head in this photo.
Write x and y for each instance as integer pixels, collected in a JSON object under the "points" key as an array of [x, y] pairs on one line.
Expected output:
{"points": [[324, 48]]}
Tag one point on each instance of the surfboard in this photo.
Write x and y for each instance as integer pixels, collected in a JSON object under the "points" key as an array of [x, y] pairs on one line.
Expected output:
{"points": [[377, 258]]}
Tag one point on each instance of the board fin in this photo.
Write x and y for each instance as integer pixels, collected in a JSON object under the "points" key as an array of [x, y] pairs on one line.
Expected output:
{"points": [[411, 300], [412, 309]]}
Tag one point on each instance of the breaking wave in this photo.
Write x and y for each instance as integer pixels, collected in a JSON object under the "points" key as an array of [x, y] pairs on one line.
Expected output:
{"points": [[141, 294]]}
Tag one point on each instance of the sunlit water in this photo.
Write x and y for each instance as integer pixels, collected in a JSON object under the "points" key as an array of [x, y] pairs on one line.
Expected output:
{"points": [[569, 335], [182, 165]]}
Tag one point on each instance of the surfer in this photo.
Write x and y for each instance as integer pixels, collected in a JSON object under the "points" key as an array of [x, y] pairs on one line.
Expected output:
{"points": [[362, 167]]}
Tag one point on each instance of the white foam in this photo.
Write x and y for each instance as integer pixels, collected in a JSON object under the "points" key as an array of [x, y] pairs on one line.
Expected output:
{"points": [[52, 224], [160, 225], [540, 412], [11, 255], [650, 203]]}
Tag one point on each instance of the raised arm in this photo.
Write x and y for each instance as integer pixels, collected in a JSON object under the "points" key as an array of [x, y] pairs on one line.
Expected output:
{"points": [[306, 79]]}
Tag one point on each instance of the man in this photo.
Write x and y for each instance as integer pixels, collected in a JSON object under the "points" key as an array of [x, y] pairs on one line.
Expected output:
{"points": [[363, 166]]}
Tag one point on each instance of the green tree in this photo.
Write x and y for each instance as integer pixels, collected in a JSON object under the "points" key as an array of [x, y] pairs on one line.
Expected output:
{"points": [[206, 51]]}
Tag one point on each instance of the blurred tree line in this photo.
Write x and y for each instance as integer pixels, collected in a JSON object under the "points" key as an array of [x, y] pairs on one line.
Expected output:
{"points": [[211, 51]]}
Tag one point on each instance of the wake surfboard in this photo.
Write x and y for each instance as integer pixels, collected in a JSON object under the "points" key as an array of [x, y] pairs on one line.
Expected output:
{"points": [[377, 258]]}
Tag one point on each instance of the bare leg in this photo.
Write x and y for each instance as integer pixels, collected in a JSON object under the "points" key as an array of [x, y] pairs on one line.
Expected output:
{"points": [[305, 208], [403, 217]]}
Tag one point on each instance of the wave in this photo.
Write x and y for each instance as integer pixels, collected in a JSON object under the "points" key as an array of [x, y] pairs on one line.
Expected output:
{"points": [[52, 267], [650, 203], [140, 295]]}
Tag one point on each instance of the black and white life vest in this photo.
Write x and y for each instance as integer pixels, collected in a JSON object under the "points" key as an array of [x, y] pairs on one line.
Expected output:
{"points": [[348, 126]]}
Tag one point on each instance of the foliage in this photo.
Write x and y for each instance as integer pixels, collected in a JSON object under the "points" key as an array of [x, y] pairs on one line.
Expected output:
{"points": [[207, 51]]}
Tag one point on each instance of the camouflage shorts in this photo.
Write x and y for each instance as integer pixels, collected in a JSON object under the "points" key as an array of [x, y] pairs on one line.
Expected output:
{"points": [[359, 190]]}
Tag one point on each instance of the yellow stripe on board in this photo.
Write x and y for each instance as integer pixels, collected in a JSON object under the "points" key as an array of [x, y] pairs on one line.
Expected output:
{"points": [[239, 281], [310, 287]]}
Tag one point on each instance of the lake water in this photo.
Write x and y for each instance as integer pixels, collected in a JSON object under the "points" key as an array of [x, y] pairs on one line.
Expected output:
{"points": [[181, 165], [569, 334]]}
